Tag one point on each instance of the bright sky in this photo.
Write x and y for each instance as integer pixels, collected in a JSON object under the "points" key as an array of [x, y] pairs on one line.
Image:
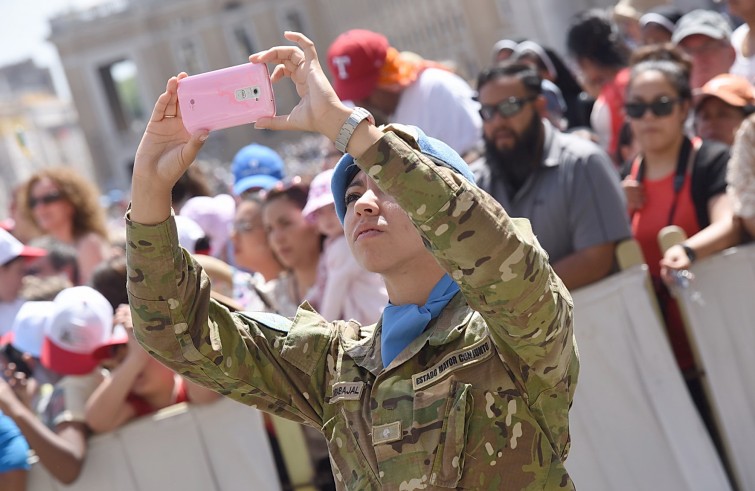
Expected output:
{"points": [[24, 30]]}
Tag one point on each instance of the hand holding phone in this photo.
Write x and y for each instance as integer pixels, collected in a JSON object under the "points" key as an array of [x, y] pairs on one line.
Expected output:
{"points": [[224, 98]]}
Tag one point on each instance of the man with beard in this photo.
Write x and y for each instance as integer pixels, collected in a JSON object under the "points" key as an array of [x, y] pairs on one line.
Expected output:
{"points": [[565, 185]]}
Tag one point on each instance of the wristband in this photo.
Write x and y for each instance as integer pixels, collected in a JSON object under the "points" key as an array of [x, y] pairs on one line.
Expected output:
{"points": [[351, 123], [691, 254]]}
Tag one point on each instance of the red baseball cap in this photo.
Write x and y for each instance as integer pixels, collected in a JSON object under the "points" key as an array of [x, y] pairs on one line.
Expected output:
{"points": [[81, 321], [355, 59], [118, 337]]}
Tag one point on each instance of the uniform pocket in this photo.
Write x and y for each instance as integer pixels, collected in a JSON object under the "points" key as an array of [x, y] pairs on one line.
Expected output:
{"points": [[448, 463], [350, 465]]}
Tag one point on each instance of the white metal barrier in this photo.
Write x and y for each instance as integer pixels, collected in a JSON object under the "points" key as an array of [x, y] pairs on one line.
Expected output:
{"points": [[221, 446], [719, 311], [633, 424]]}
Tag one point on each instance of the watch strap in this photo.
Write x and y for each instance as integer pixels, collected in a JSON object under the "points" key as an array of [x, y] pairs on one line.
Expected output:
{"points": [[691, 254], [344, 135]]}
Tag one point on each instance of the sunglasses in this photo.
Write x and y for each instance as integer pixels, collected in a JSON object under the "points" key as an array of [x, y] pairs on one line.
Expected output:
{"points": [[662, 106], [506, 108], [47, 199]]}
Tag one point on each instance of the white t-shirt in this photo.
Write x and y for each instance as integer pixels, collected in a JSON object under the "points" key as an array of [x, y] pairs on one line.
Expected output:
{"points": [[600, 121], [350, 291], [8, 311], [441, 104], [743, 66]]}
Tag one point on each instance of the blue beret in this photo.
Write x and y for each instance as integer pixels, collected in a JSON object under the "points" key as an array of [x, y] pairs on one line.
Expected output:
{"points": [[441, 153]]}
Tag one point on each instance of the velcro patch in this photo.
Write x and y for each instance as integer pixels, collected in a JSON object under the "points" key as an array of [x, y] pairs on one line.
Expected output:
{"points": [[347, 391], [458, 359], [386, 433]]}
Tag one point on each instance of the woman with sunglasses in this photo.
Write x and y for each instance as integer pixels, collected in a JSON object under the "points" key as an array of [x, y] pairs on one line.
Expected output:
{"points": [[467, 380], [65, 205], [675, 180]]}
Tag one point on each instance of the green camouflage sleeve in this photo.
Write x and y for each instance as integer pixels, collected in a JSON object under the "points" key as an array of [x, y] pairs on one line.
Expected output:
{"points": [[503, 272], [180, 325]]}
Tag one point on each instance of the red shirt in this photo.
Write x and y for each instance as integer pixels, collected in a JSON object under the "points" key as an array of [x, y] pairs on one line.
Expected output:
{"points": [[648, 221], [143, 408]]}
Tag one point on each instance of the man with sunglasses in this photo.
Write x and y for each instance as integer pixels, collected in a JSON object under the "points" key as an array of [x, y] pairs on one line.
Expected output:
{"points": [[564, 184]]}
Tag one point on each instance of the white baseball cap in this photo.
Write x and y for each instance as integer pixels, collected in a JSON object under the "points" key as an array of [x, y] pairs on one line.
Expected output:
{"points": [[189, 232], [81, 321], [28, 331], [11, 248]]}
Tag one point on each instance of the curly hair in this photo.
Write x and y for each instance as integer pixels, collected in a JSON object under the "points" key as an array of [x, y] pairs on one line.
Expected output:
{"points": [[83, 195]]}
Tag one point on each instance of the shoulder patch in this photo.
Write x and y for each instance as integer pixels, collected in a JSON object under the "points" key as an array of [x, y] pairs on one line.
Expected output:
{"points": [[273, 321]]}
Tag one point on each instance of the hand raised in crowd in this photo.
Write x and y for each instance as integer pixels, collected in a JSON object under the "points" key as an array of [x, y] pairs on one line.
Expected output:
{"points": [[122, 316], [167, 149], [675, 259], [634, 192], [165, 152], [319, 109], [15, 388]]}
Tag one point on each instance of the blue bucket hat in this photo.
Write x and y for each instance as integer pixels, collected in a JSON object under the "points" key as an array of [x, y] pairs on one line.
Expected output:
{"points": [[438, 151]]}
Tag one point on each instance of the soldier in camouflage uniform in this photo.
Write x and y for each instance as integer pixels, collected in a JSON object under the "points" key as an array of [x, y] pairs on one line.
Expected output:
{"points": [[479, 400]]}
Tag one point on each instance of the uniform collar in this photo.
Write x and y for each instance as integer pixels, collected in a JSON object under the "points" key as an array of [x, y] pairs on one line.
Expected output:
{"points": [[445, 328]]}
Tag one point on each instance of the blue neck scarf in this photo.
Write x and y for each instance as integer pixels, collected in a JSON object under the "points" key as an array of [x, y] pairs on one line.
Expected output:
{"points": [[402, 324]]}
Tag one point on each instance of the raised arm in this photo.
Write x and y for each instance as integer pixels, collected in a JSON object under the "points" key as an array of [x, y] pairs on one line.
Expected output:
{"points": [[169, 294], [502, 270]]}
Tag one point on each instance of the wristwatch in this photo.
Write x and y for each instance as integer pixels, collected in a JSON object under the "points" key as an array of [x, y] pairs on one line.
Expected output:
{"points": [[351, 123], [691, 254]]}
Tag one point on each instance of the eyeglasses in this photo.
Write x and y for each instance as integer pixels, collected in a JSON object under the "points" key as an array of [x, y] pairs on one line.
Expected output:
{"points": [[663, 106], [507, 108], [46, 199]]}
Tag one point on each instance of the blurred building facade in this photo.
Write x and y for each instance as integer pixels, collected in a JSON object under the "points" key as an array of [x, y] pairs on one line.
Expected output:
{"points": [[117, 56], [37, 129]]}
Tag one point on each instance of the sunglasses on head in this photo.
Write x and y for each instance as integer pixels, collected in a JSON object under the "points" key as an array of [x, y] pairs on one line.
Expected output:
{"points": [[663, 106], [46, 199], [506, 108]]}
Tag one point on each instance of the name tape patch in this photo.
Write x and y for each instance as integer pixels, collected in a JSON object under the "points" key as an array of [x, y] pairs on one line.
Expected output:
{"points": [[347, 391], [454, 361]]}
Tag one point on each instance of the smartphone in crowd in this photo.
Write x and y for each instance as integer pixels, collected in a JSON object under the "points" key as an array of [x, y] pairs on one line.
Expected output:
{"points": [[227, 97], [15, 357]]}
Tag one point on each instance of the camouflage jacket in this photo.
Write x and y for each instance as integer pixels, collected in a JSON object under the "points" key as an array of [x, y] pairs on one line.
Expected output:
{"points": [[479, 401]]}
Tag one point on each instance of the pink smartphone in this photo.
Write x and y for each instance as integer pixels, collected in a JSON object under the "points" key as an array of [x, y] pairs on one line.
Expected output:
{"points": [[228, 97]]}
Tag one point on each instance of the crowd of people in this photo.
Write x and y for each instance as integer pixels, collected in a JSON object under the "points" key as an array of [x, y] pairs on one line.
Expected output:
{"points": [[650, 123]]}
